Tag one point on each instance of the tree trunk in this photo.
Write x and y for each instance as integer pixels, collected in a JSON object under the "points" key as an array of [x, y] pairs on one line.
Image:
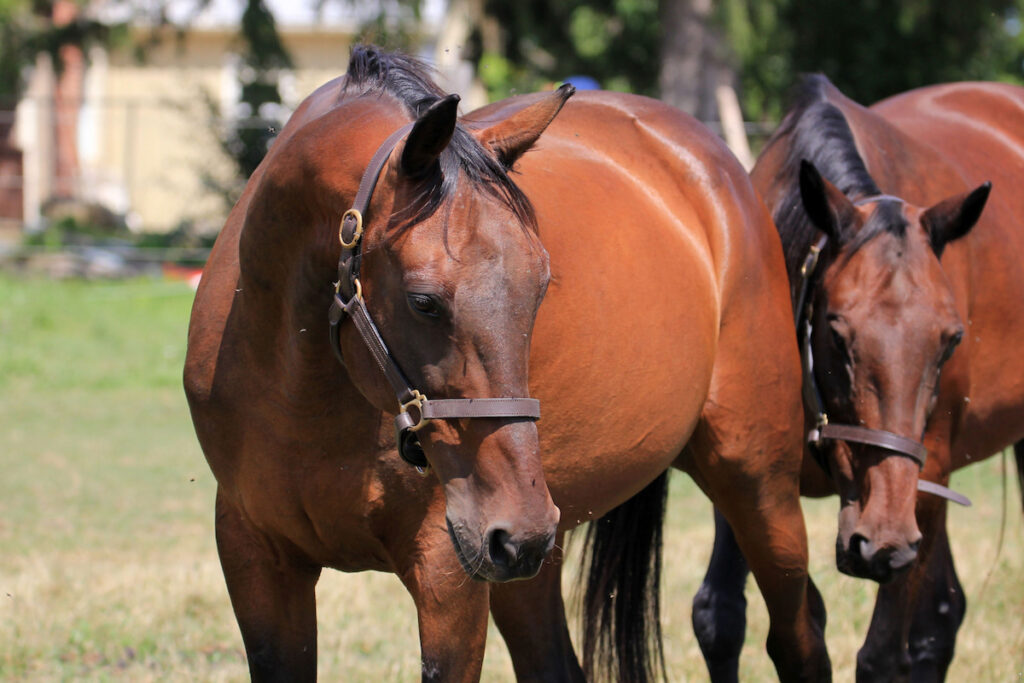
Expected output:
{"points": [[67, 102], [458, 74], [694, 58]]}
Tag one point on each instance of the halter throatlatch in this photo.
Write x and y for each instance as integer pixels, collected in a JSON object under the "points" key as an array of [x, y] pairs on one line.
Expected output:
{"points": [[825, 430], [414, 409]]}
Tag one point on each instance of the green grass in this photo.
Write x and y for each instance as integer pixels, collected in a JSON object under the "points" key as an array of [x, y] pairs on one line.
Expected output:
{"points": [[107, 563]]}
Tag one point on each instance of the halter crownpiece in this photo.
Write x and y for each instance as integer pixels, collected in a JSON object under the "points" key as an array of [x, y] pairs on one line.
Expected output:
{"points": [[824, 430], [348, 302]]}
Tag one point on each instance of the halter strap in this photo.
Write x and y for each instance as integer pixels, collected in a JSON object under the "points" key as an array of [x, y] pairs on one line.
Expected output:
{"points": [[348, 302], [827, 431]]}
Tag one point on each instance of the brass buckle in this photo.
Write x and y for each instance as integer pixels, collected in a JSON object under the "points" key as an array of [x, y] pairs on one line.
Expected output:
{"points": [[359, 290], [811, 261], [417, 400], [814, 436], [359, 228]]}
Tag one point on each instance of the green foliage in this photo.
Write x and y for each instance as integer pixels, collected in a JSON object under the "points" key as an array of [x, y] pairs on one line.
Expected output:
{"points": [[26, 31], [614, 41], [869, 50], [887, 47]]}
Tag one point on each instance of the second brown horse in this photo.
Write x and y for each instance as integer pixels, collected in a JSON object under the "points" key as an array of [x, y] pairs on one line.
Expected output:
{"points": [[916, 260]]}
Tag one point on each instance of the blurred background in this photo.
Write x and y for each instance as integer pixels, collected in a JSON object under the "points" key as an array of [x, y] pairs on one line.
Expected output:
{"points": [[143, 118], [127, 130]]}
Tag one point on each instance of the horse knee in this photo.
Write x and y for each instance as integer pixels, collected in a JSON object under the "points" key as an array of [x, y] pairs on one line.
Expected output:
{"points": [[933, 638]]}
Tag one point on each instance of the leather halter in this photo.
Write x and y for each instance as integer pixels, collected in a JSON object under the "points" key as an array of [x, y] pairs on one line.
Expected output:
{"points": [[348, 301], [824, 430]]}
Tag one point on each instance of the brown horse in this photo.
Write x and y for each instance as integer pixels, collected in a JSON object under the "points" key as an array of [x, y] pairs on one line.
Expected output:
{"points": [[913, 263], [663, 338]]}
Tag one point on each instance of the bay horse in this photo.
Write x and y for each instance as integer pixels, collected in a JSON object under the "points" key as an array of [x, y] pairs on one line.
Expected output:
{"points": [[385, 228], [906, 282]]}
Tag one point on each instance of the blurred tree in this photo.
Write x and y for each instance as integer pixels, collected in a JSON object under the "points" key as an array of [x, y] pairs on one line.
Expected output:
{"points": [[31, 27], [871, 49], [679, 49], [615, 42], [886, 47], [263, 59], [695, 59]]}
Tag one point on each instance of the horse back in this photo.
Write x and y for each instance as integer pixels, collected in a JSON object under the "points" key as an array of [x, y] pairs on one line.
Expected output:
{"points": [[978, 129], [665, 268]]}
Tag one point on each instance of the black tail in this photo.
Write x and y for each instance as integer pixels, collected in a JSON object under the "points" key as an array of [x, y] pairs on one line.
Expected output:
{"points": [[622, 564], [1018, 452]]}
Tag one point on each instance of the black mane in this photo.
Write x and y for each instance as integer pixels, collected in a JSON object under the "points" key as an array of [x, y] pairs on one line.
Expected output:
{"points": [[816, 130], [409, 80]]}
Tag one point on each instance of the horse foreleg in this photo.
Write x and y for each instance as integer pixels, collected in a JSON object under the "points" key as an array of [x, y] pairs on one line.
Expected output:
{"points": [[720, 608], [451, 608], [913, 628], [940, 611], [274, 598], [531, 618]]}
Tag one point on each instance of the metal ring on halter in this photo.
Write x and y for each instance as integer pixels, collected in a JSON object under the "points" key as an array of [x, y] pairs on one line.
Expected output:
{"points": [[356, 283], [353, 213], [417, 400], [814, 436]]}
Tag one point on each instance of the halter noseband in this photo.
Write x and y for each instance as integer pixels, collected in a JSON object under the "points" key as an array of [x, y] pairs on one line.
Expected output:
{"points": [[348, 301], [824, 430]]}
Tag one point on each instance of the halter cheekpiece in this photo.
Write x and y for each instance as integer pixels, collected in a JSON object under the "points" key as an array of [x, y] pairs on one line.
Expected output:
{"points": [[414, 408], [825, 430]]}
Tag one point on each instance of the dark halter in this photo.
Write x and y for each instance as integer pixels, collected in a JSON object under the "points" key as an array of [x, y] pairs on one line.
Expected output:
{"points": [[824, 430], [348, 301]]}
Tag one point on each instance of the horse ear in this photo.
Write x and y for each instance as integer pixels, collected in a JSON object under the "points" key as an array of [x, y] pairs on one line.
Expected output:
{"points": [[828, 208], [511, 137], [429, 136], [953, 218]]}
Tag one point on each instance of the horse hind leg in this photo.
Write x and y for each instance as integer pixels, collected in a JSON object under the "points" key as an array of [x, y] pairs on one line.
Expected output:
{"points": [[274, 599], [720, 608], [531, 618], [761, 502]]}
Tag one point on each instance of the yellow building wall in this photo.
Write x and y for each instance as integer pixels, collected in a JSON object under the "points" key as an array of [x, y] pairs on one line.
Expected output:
{"points": [[154, 134]]}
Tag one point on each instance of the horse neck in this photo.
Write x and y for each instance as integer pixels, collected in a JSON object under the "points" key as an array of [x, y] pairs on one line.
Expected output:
{"points": [[288, 248], [307, 181]]}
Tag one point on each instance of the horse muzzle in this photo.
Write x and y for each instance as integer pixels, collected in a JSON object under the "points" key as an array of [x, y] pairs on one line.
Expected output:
{"points": [[862, 558], [498, 554]]}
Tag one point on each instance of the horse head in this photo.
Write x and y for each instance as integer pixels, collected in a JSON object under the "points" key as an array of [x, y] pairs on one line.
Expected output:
{"points": [[883, 322], [451, 274]]}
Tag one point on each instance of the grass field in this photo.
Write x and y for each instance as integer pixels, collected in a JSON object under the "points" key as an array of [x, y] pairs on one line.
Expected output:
{"points": [[107, 563]]}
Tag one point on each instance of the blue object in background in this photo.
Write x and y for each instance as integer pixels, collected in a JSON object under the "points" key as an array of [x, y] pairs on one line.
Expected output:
{"points": [[583, 82]]}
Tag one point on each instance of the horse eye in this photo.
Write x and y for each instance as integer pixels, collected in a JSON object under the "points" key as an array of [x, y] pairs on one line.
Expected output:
{"points": [[954, 341], [839, 342], [424, 304]]}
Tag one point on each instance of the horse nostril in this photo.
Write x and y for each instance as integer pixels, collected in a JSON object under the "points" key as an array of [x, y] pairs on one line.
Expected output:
{"points": [[501, 548], [901, 559], [860, 545]]}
